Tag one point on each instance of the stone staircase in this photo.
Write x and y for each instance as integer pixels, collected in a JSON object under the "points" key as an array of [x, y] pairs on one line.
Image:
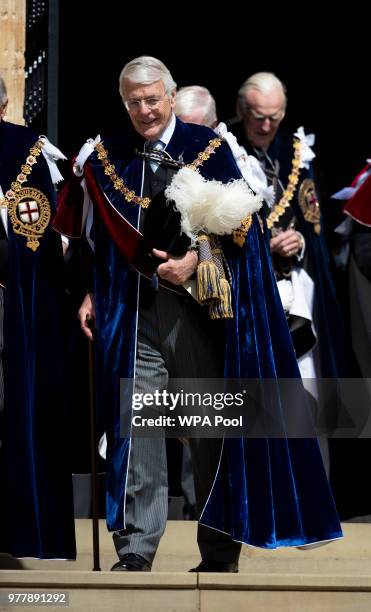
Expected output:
{"points": [[331, 578]]}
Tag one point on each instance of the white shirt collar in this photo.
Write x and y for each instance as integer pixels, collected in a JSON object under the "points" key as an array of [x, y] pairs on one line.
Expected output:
{"points": [[168, 132]]}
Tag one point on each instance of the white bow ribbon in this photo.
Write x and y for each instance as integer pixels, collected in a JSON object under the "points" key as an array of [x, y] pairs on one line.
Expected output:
{"points": [[52, 154]]}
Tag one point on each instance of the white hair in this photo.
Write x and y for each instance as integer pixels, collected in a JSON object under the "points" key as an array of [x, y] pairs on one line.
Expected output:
{"points": [[3, 92], [146, 70], [265, 83], [194, 97]]}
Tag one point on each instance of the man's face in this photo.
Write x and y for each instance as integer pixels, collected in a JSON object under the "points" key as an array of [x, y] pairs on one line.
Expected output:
{"points": [[262, 116], [149, 107]]}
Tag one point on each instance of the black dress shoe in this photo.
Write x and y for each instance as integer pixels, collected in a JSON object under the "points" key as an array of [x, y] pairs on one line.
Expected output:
{"points": [[216, 566], [132, 563]]}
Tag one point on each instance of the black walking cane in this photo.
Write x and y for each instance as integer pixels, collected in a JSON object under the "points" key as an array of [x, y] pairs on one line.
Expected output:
{"points": [[93, 448]]}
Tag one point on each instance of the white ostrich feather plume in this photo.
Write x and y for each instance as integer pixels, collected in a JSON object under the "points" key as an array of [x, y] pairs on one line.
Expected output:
{"points": [[209, 205]]}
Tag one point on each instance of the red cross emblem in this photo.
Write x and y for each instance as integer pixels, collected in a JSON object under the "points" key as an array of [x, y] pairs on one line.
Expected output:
{"points": [[29, 211], [311, 199]]}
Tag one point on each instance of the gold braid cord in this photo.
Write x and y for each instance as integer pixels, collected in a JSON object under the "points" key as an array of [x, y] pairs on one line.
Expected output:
{"points": [[131, 196], [28, 208], [287, 195]]}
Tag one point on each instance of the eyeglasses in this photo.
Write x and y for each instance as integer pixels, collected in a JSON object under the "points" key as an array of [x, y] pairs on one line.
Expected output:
{"points": [[133, 106], [261, 118]]}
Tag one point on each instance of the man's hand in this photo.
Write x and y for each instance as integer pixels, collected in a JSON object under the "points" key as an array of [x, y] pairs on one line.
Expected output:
{"points": [[176, 270], [287, 243], [87, 314]]}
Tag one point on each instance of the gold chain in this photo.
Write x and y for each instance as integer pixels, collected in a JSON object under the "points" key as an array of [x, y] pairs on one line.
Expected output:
{"points": [[204, 155], [287, 195], [131, 196], [118, 183], [22, 177]]}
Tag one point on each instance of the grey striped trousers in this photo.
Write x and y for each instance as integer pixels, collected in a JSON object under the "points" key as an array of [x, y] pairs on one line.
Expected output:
{"points": [[174, 341]]}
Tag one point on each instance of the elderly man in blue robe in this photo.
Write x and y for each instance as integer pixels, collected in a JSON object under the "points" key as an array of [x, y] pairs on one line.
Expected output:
{"points": [[36, 514], [261, 491]]}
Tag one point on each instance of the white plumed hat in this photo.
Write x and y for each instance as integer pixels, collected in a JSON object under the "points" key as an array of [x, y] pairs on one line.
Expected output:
{"points": [[210, 206]]}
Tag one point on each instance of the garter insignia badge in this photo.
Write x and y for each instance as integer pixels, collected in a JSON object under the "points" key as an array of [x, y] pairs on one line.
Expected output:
{"points": [[309, 204], [29, 212]]}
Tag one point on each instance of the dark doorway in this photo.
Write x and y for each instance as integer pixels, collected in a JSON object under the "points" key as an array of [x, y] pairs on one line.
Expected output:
{"points": [[326, 77]]}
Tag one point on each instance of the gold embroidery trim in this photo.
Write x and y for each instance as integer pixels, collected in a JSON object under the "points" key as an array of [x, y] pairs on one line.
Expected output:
{"points": [[131, 196], [287, 195], [239, 235]]}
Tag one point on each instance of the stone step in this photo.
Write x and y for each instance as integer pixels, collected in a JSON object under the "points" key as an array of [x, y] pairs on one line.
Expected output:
{"points": [[331, 578]]}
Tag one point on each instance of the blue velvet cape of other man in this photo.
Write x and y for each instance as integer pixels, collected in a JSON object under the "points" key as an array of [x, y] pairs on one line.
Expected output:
{"points": [[36, 490], [268, 492], [334, 352]]}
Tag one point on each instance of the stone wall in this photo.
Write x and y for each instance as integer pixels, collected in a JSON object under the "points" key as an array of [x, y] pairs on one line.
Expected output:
{"points": [[12, 61]]}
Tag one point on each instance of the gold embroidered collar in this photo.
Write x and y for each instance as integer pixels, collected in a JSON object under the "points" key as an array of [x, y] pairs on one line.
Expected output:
{"points": [[287, 195], [22, 177], [131, 196]]}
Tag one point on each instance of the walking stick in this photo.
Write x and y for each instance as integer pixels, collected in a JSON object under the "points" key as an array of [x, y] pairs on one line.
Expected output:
{"points": [[93, 450]]}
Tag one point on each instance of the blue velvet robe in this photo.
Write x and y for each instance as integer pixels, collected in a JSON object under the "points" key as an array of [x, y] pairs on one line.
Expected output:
{"points": [[333, 347], [266, 491], [36, 489]]}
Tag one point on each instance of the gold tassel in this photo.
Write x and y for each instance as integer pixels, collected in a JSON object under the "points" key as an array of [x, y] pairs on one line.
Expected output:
{"points": [[222, 308], [208, 281], [212, 286]]}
